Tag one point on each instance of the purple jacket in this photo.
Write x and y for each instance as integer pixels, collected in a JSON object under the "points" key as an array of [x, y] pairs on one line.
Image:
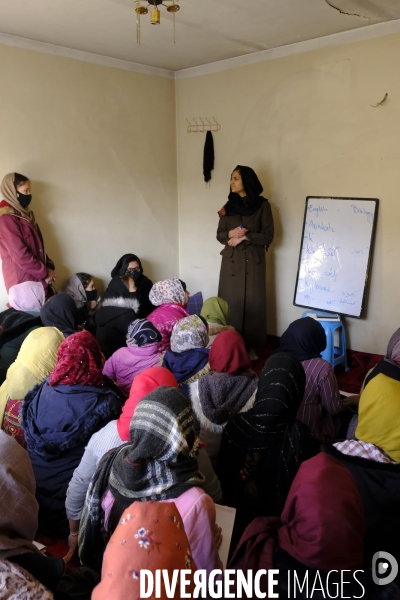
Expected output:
{"points": [[123, 366], [164, 318], [21, 250]]}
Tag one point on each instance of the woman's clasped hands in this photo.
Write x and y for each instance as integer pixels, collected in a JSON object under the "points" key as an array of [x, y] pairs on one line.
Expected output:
{"points": [[237, 236]]}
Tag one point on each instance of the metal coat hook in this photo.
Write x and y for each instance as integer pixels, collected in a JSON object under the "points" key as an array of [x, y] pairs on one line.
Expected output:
{"points": [[201, 128]]}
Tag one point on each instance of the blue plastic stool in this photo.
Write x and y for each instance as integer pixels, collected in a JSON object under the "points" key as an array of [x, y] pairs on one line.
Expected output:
{"points": [[330, 327]]}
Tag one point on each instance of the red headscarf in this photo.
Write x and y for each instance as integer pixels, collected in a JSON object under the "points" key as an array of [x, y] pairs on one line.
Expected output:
{"points": [[228, 354], [144, 383], [79, 360], [322, 525]]}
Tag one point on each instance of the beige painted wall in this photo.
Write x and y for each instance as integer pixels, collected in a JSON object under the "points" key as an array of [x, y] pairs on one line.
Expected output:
{"points": [[99, 145], [306, 125]]}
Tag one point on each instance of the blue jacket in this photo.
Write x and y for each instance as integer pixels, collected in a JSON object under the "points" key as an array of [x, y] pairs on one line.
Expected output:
{"points": [[58, 422]]}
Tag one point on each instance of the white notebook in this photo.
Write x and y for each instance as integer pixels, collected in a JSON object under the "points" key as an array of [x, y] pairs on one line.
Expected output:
{"points": [[225, 519]]}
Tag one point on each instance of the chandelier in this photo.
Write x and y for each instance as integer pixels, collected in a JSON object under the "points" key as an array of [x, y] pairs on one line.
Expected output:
{"points": [[172, 6]]}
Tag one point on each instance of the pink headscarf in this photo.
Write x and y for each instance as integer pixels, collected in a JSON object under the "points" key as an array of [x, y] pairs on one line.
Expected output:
{"points": [[27, 296]]}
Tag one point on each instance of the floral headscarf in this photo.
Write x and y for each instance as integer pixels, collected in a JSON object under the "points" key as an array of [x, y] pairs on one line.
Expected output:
{"points": [[189, 333], [79, 361], [169, 291], [150, 536], [142, 332]]}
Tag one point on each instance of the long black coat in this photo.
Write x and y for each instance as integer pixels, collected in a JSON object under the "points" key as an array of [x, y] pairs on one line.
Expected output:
{"points": [[242, 277]]}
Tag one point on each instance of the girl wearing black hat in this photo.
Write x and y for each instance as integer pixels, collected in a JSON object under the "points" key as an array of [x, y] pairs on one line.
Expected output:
{"points": [[246, 228]]}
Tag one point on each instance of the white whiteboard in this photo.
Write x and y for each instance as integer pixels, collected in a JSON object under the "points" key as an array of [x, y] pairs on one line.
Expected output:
{"points": [[335, 254]]}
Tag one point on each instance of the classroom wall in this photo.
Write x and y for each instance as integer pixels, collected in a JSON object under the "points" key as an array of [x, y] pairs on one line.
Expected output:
{"points": [[99, 145], [306, 125]]}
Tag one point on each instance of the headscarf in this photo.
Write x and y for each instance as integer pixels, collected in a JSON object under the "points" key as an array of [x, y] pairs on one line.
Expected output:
{"points": [[9, 192], [156, 465], [280, 392], [36, 359], [19, 508], [393, 349], [60, 311], [117, 289], [144, 383], [305, 338], [74, 287], [79, 361], [17, 584], [27, 296], [142, 332], [169, 291], [148, 536], [228, 354], [247, 206], [322, 526], [120, 267], [188, 334], [272, 421], [215, 310]]}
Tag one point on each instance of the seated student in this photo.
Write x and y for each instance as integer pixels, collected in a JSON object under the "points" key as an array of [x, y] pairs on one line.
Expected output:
{"points": [[306, 339], [216, 312], [118, 309], [171, 298], [131, 266], [82, 290], [262, 449], [188, 357], [158, 464], [228, 389], [18, 321], [388, 368], [58, 418], [19, 517], [115, 434], [161, 528], [322, 530], [35, 361], [141, 352], [60, 311]]}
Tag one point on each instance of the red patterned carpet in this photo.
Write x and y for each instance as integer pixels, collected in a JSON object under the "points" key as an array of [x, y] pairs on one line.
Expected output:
{"points": [[359, 365]]}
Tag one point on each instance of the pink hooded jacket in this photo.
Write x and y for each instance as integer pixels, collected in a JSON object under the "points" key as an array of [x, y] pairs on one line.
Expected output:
{"points": [[164, 318]]}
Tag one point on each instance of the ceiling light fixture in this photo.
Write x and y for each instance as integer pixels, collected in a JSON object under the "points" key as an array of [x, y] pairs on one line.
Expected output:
{"points": [[172, 6]]}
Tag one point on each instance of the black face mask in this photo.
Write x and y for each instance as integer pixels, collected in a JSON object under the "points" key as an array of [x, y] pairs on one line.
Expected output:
{"points": [[135, 275], [24, 199], [92, 295]]}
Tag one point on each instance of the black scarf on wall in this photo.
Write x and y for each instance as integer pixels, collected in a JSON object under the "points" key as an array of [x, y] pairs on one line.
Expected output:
{"points": [[208, 159]]}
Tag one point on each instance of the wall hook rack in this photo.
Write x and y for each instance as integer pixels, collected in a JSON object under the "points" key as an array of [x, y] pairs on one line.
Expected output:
{"points": [[202, 127]]}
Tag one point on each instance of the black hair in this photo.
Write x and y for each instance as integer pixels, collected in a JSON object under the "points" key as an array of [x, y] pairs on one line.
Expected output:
{"points": [[84, 279], [19, 179], [183, 285], [122, 265]]}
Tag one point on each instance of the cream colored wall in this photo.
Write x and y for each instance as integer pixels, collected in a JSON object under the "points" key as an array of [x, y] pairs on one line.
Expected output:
{"points": [[99, 145], [306, 125]]}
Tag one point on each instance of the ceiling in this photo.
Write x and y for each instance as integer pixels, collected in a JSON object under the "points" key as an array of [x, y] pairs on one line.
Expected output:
{"points": [[207, 30]]}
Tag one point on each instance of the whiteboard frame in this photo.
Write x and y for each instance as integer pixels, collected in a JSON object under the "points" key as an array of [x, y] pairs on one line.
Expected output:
{"points": [[376, 200]]}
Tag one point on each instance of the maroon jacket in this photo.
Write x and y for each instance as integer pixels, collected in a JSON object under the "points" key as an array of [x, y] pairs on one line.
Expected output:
{"points": [[21, 249]]}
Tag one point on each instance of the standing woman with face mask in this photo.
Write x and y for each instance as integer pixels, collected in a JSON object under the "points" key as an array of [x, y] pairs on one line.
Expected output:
{"points": [[22, 250], [246, 229]]}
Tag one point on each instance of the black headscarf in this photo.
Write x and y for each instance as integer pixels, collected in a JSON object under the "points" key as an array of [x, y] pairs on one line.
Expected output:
{"points": [[122, 265], [15, 323], [305, 338], [60, 311], [117, 289], [247, 206], [272, 422]]}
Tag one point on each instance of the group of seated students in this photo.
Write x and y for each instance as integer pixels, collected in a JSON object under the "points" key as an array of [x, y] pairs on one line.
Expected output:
{"points": [[126, 420]]}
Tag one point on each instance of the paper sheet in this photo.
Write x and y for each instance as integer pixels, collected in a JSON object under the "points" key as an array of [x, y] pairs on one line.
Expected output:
{"points": [[225, 519]]}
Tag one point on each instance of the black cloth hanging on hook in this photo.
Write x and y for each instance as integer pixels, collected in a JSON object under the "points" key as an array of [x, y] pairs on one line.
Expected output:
{"points": [[208, 159]]}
